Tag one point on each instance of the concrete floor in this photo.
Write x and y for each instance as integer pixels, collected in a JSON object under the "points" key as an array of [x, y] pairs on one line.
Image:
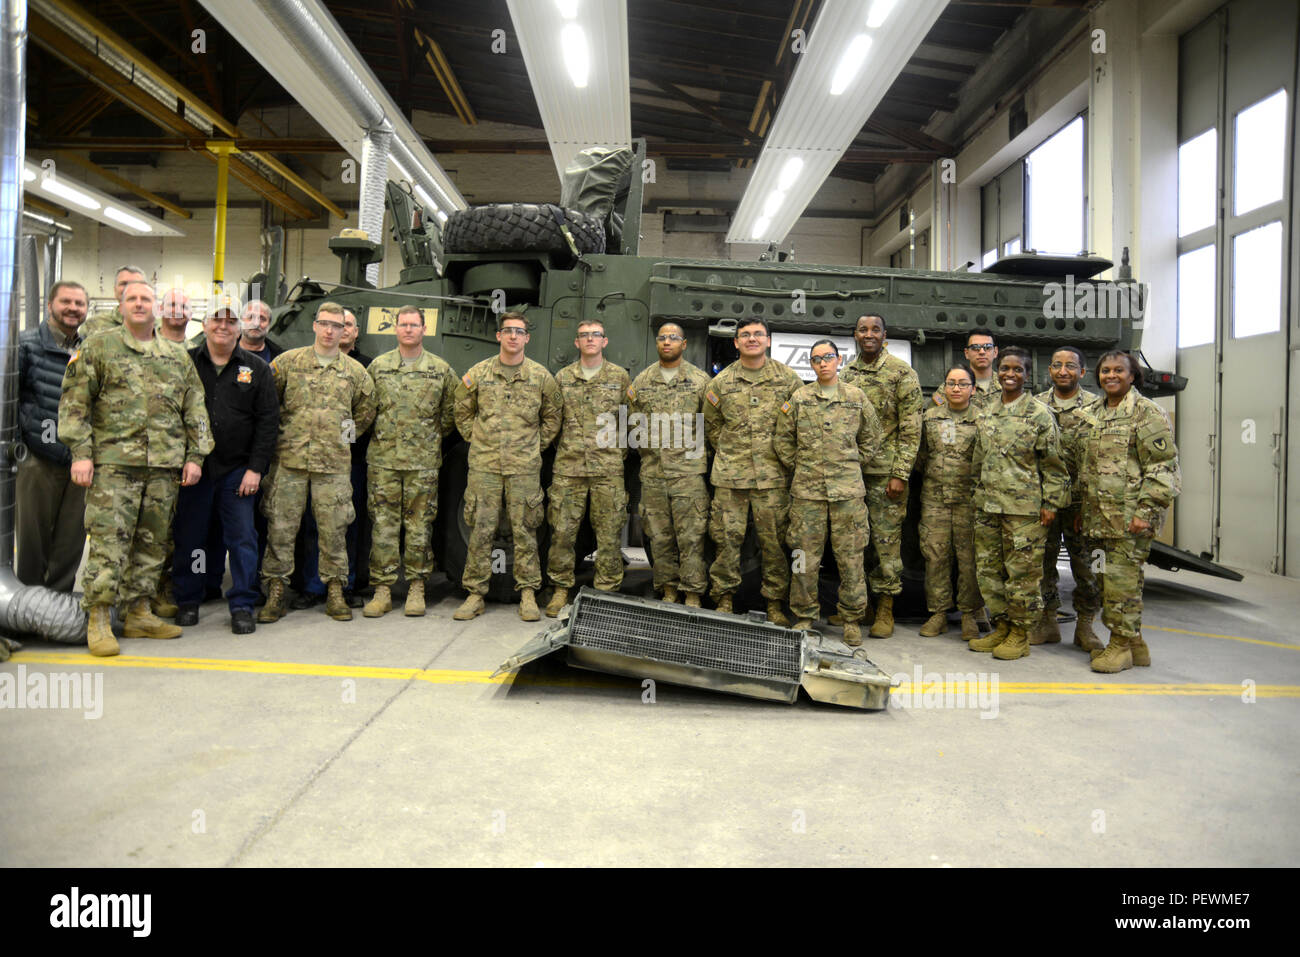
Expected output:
{"points": [[385, 742]]}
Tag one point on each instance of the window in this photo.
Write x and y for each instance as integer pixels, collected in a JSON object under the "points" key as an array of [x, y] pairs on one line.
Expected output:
{"points": [[1259, 154], [1054, 206], [1197, 164], [989, 258], [1012, 247], [1196, 297], [1257, 281]]}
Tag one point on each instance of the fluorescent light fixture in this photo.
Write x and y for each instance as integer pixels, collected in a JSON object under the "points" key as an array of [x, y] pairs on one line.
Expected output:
{"points": [[578, 69], [28, 175], [442, 217], [573, 47], [773, 204], [424, 197], [126, 219], [850, 63], [568, 8], [879, 10], [812, 128], [399, 167], [70, 193]]}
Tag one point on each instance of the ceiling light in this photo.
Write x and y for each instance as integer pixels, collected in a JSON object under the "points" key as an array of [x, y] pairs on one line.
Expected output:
{"points": [[850, 63], [573, 42], [774, 201], [442, 217], [760, 227], [568, 8], [28, 175], [399, 167], [63, 190], [879, 10], [424, 197], [126, 219], [789, 173]]}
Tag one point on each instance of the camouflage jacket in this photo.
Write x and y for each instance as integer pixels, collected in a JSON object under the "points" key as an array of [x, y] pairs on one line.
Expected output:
{"points": [[895, 394], [508, 414], [683, 401], [590, 443], [323, 409], [1128, 467], [127, 402], [105, 321], [1017, 459], [827, 442], [1074, 417], [740, 410], [947, 444], [416, 411]]}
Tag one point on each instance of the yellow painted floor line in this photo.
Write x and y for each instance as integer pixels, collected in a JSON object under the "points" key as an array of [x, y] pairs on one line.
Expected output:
{"points": [[1206, 634], [449, 676]]}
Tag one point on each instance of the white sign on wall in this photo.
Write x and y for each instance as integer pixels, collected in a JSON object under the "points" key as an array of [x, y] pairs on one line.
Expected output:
{"points": [[792, 348]]}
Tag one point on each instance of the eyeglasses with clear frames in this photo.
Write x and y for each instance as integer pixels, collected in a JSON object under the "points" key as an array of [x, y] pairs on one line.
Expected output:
{"points": [[747, 336], [825, 357], [514, 331], [955, 384], [1058, 366], [671, 337], [591, 335]]}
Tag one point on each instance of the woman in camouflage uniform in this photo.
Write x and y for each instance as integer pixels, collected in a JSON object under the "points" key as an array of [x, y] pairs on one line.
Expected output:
{"points": [[947, 527], [1130, 477]]}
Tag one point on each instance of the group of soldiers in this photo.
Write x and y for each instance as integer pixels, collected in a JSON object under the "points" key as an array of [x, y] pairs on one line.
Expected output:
{"points": [[1005, 476]]}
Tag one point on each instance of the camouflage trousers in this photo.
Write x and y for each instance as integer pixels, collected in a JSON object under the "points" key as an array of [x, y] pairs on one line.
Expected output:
{"points": [[129, 522], [331, 505], [948, 532], [1009, 564], [1120, 580], [401, 499], [886, 535], [676, 519], [850, 532], [1086, 598], [525, 507], [728, 522], [569, 495]]}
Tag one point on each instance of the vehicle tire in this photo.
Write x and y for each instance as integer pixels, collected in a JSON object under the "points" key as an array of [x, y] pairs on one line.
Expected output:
{"points": [[520, 227]]}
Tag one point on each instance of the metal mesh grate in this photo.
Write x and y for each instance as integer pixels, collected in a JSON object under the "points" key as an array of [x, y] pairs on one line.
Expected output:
{"points": [[662, 635]]}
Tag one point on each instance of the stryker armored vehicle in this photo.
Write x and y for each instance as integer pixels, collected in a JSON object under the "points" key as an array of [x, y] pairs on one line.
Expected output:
{"points": [[579, 260]]}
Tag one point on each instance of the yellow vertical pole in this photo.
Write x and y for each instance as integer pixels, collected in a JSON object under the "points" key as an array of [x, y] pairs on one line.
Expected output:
{"points": [[223, 149]]}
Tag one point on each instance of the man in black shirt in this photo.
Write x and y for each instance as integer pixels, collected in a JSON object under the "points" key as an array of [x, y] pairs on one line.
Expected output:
{"points": [[245, 415], [256, 320]]}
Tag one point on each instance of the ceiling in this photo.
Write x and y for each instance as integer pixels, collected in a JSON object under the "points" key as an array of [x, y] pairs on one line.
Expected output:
{"points": [[706, 77]]}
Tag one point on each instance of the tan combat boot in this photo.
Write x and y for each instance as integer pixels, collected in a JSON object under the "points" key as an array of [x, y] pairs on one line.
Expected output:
{"points": [[336, 606], [471, 607], [803, 624], [1015, 645], [970, 626], [994, 638], [163, 604], [670, 594], [381, 604], [776, 614], [274, 608], [1116, 658], [935, 625], [414, 600], [1045, 631], [559, 598], [852, 634], [141, 622], [883, 626], [528, 605], [99, 633], [1140, 651], [692, 600], [1084, 636], [724, 605]]}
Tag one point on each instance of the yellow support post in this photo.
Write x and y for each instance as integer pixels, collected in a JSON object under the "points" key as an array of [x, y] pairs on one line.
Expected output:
{"points": [[222, 149]]}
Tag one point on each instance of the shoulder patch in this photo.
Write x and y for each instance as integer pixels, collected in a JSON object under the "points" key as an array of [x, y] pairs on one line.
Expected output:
{"points": [[245, 374], [712, 397], [631, 393], [469, 383], [74, 357], [785, 407]]}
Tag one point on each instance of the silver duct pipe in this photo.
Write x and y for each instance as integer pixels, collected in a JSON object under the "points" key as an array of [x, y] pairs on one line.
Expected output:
{"points": [[23, 608], [374, 180], [31, 276], [53, 260]]}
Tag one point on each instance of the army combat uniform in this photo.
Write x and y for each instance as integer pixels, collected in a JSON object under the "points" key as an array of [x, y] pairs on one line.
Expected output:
{"points": [[1128, 468], [1074, 417], [416, 410], [827, 440], [1018, 470], [674, 495], [740, 410], [324, 407], [588, 464], [947, 527], [508, 414], [105, 321], [136, 410]]}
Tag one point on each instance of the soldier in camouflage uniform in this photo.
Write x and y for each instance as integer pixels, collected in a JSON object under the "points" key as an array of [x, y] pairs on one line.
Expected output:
{"points": [[415, 392], [895, 394], [110, 319], [509, 409], [827, 433], [1073, 409], [740, 410], [1130, 476], [588, 465], [947, 527], [133, 416], [326, 401], [1020, 484], [674, 495]]}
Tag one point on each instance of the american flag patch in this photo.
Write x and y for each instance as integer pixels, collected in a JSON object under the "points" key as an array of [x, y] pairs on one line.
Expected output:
{"points": [[469, 383], [631, 394], [712, 397], [785, 407]]}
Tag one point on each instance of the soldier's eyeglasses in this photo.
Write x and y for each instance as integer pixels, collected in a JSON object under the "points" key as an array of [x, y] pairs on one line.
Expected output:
{"points": [[982, 347], [514, 331], [963, 384], [670, 338], [748, 336], [818, 360], [1058, 366], [333, 326], [591, 335]]}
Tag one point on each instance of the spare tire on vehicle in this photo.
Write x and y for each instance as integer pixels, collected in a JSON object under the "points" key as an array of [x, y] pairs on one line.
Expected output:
{"points": [[520, 227]]}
